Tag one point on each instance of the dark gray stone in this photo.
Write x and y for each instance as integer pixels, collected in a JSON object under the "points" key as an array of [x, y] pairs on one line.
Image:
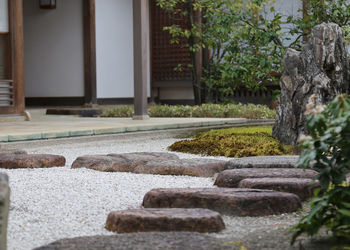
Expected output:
{"points": [[230, 178], [283, 161], [164, 220], [312, 77], [302, 187], [191, 167], [231, 201], [142, 241], [4, 209]]}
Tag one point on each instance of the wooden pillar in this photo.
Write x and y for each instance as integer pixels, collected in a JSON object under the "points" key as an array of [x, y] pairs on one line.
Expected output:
{"points": [[141, 37], [90, 52], [16, 33]]}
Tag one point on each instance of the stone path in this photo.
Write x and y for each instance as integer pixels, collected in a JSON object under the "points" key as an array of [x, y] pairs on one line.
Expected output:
{"points": [[4, 208], [163, 220], [232, 177], [230, 201], [143, 241], [14, 161], [283, 161], [302, 187], [150, 163]]}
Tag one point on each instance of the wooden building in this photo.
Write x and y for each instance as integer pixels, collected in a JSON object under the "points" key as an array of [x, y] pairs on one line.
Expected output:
{"points": [[76, 52]]}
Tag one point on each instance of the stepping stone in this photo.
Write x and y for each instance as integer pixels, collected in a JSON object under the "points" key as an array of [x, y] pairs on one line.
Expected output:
{"points": [[120, 162], [191, 167], [14, 161], [4, 208], [12, 152], [302, 187], [283, 161], [164, 220], [231, 177], [142, 241], [231, 201]]}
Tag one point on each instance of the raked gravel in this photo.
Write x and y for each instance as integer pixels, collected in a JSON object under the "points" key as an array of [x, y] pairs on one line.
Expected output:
{"points": [[51, 204]]}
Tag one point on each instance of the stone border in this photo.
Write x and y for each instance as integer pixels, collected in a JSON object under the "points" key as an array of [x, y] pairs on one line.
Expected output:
{"points": [[125, 130]]}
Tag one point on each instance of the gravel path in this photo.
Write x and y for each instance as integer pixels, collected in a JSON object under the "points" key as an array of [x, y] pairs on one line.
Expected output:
{"points": [[51, 204]]}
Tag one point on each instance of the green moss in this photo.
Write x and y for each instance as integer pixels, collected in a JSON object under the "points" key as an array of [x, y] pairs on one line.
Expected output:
{"points": [[234, 142]]}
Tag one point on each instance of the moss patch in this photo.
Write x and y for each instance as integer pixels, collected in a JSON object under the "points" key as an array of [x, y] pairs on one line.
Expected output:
{"points": [[234, 142]]}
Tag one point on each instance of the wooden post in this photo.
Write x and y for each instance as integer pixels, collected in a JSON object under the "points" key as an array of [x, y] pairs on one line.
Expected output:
{"points": [[90, 52], [141, 37], [16, 31]]}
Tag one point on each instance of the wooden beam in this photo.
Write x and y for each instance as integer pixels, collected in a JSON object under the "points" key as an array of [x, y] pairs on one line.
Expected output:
{"points": [[140, 38], [90, 52]]}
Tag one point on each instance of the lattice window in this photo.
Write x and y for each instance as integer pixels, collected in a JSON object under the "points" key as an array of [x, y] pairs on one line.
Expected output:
{"points": [[165, 56]]}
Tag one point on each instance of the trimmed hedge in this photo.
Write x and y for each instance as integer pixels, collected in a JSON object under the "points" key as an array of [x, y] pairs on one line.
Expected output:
{"points": [[234, 142], [249, 111]]}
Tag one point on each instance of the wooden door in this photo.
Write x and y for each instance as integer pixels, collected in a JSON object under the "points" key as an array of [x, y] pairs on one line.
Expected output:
{"points": [[11, 57]]}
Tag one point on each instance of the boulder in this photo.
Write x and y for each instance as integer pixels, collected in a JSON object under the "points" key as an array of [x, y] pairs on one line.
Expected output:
{"points": [[142, 241], [12, 161], [230, 201], [231, 177], [120, 162], [302, 187], [4, 209], [278, 161], [12, 151], [191, 167], [164, 220], [312, 77]]}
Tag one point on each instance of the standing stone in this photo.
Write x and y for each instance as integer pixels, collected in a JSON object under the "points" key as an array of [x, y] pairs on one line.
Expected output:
{"points": [[4, 209], [312, 77]]}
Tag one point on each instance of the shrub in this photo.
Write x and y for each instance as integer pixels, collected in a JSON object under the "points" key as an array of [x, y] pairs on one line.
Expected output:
{"points": [[233, 142], [249, 111], [327, 150]]}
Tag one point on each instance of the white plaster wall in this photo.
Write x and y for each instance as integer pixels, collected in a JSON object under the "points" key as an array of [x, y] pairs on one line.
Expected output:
{"points": [[114, 49], [53, 49]]}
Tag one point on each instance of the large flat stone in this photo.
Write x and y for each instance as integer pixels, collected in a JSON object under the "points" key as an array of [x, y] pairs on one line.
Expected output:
{"points": [[280, 161], [12, 151], [142, 241], [120, 162], [164, 220], [302, 187], [13, 161], [4, 209], [231, 177], [231, 201], [191, 167]]}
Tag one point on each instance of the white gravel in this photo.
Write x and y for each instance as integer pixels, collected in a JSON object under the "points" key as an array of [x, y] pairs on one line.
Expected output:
{"points": [[51, 204]]}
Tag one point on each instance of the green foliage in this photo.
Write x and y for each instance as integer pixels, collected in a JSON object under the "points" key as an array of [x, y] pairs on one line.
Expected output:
{"points": [[322, 11], [327, 150], [249, 111], [245, 39], [233, 142]]}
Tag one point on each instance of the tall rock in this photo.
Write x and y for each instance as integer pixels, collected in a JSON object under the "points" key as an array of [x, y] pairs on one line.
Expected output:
{"points": [[312, 77], [4, 209]]}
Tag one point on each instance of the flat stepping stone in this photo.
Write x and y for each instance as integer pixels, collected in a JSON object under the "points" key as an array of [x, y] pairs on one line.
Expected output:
{"points": [[4, 208], [13, 161], [281, 161], [12, 152], [231, 177], [164, 220], [191, 167], [120, 162], [231, 201], [84, 112], [142, 241], [302, 187]]}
